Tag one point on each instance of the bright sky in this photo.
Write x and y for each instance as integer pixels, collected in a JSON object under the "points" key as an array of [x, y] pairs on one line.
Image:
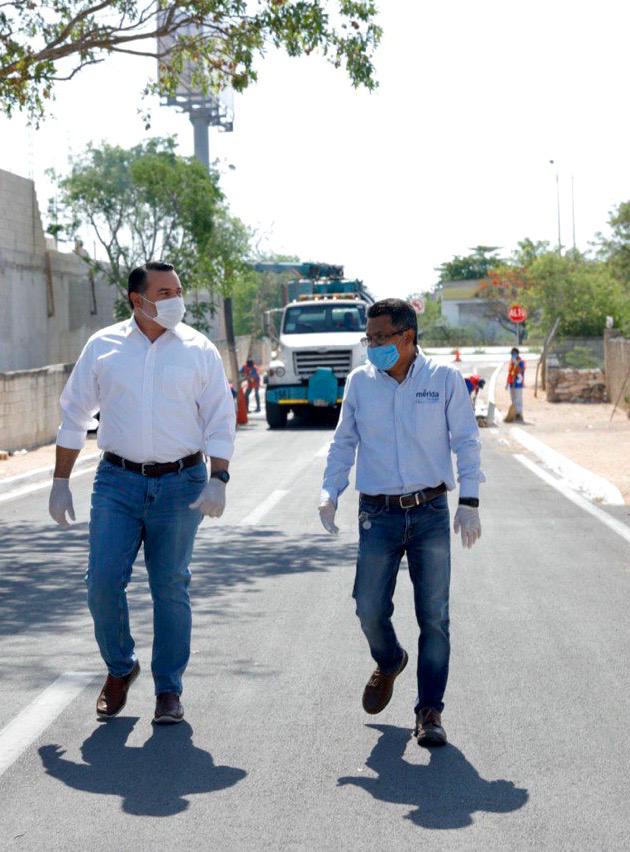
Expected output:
{"points": [[451, 151]]}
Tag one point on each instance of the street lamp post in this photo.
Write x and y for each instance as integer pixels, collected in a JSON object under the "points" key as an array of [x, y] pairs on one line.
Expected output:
{"points": [[553, 163], [573, 211]]}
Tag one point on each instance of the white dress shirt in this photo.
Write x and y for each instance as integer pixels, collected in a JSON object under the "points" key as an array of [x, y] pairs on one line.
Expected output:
{"points": [[405, 433], [158, 401]]}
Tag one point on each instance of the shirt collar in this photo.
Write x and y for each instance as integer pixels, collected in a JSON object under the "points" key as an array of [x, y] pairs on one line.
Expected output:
{"points": [[180, 331], [418, 363]]}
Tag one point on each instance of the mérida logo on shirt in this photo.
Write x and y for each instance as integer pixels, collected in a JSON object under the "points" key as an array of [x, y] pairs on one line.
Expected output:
{"points": [[427, 396]]}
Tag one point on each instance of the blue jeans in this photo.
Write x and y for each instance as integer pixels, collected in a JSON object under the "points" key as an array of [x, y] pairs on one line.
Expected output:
{"points": [[423, 533], [129, 509]]}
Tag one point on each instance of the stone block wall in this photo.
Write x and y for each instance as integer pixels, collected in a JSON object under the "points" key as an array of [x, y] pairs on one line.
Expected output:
{"points": [[29, 406], [571, 385]]}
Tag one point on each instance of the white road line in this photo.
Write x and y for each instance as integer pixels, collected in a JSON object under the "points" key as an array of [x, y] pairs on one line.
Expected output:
{"points": [[323, 451], [260, 511], [37, 486], [28, 725], [612, 523]]}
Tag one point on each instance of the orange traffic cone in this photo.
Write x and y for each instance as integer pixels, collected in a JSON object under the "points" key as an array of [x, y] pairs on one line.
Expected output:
{"points": [[241, 409], [458, 357]]}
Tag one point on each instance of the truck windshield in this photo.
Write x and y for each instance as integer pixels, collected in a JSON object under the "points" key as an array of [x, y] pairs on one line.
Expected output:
{"points": [[314, 319]]}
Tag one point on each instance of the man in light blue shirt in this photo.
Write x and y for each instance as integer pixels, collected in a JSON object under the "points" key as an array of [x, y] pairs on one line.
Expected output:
{"points": [[402, 415]]}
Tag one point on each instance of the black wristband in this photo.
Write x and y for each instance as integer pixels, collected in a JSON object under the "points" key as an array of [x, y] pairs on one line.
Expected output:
{"points": [[469, 501]]}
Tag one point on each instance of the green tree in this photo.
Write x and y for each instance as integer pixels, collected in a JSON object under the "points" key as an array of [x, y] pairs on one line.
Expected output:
{"points": [[147, 203], [580, 291], [615, 247], [212, 42], [258, 292], [471, 267]]}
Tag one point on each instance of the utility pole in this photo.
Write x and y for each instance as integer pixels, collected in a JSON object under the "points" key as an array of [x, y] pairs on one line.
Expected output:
{"points": [[553, 163], [573, 211]]}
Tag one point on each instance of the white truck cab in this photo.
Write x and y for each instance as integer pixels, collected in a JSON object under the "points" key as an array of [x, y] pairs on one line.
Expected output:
{"points": [[318, 345]]}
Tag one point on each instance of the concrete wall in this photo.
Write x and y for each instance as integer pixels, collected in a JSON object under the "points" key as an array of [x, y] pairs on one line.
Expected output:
{"points": [[50, 306], [29, 406], [617, 368]]}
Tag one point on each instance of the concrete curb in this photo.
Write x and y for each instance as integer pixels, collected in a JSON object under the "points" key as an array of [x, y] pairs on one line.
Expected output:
{"points": [[580, 479], [41, 474]]}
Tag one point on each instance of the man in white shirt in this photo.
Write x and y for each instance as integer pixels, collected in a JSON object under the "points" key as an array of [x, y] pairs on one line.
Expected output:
{"points": [[164, 403], [405, 414]]}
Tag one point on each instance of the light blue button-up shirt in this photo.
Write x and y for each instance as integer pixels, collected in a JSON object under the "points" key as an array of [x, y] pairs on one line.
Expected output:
{"points": [[404, 433]]}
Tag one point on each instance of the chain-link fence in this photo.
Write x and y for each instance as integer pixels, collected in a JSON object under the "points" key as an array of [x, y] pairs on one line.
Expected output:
{"points": [[583, 353]]}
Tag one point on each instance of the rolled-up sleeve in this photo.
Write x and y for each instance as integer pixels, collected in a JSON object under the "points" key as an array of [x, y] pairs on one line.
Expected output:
{"points": [[342, 450], [79, 402], [216, 408], [464, 434]]}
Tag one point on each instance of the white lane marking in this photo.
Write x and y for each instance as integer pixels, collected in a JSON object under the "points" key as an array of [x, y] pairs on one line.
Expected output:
{"points": [[37, 486], [28, 725], [260, 511], [612, 523], [593, 487], [323, 451]]}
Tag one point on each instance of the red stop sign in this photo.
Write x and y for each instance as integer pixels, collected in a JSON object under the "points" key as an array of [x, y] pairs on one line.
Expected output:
{"points": [[517, 313]]}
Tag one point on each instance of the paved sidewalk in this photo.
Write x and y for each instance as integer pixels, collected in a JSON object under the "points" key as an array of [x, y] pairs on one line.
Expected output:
{"points": [[582, 432], [42, 457]]}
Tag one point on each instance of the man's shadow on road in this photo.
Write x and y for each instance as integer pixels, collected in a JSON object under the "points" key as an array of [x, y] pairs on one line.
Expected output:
{"points": [[152, 780], [444, 794]]}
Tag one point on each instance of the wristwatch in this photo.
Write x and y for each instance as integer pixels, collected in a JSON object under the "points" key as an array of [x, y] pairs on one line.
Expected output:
{"points": [[223, 475], [469, 501]]}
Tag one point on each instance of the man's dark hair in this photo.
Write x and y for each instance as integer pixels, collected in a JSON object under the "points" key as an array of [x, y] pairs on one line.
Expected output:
{"points": [[401, 313], [513, 350], [137, 282]]}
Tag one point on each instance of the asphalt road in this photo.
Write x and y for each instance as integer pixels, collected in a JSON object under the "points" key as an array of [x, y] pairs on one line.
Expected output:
{"points": [[276, 751]]}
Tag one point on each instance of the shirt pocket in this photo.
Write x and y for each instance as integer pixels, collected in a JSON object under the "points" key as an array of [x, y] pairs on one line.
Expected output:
{"points": [[178, 383]]}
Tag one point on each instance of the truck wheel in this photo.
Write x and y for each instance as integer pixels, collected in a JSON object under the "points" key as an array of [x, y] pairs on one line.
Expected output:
{"points": [[276, 415]]}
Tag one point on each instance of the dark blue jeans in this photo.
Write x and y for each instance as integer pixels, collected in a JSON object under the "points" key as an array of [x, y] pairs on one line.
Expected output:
{"points": [[128, 510], [385, 536]]}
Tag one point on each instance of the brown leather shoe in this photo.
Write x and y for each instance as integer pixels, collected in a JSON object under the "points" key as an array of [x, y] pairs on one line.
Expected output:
{"points": [[429, 730], [113, 696], [380, 687], [168, 709]]}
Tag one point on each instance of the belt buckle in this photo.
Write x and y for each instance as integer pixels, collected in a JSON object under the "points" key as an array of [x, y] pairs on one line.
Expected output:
{"points": [[404, 497], [146, 464]]}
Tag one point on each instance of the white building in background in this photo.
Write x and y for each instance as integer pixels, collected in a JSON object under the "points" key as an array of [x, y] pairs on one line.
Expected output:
{"points": [[464, 307]]}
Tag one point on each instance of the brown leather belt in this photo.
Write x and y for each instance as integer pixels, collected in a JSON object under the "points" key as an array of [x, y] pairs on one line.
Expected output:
{"points": [[155, 468], [407, 501]]}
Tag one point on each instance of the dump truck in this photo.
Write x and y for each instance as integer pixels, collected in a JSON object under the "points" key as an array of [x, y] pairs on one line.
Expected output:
{"points": [[316, 338]]}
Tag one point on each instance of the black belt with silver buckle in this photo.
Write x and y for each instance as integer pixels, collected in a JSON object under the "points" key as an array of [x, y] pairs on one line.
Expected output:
{"points": [[155, 468], [407, 501]]}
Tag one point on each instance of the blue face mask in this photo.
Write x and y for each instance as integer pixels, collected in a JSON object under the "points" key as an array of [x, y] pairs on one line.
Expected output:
{"points": [[383, 357]]}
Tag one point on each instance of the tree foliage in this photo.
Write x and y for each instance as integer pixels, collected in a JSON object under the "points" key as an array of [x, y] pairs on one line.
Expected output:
{"points": [[214, 42], [614, 248], [258, 292], [148, 203], [582, 292], [471, 267]]}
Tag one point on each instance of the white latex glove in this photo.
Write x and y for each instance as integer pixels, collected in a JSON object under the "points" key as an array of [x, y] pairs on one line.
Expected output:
{"points": [[211, 501], [60, 502], [327, 512], [467, 520]]}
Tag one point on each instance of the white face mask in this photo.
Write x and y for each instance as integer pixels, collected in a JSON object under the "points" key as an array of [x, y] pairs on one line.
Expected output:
{"points": [[170, 312]]}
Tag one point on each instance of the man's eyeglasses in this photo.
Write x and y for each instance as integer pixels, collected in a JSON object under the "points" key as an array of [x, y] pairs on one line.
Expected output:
{"points": [[380, 339]]}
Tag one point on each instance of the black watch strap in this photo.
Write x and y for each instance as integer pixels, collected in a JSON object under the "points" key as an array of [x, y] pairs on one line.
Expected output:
{"points": [[223, 475], [469, 501]]}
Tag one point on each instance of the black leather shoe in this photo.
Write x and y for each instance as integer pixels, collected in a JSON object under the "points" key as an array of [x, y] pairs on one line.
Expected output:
{"points": [[429, 730]]}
